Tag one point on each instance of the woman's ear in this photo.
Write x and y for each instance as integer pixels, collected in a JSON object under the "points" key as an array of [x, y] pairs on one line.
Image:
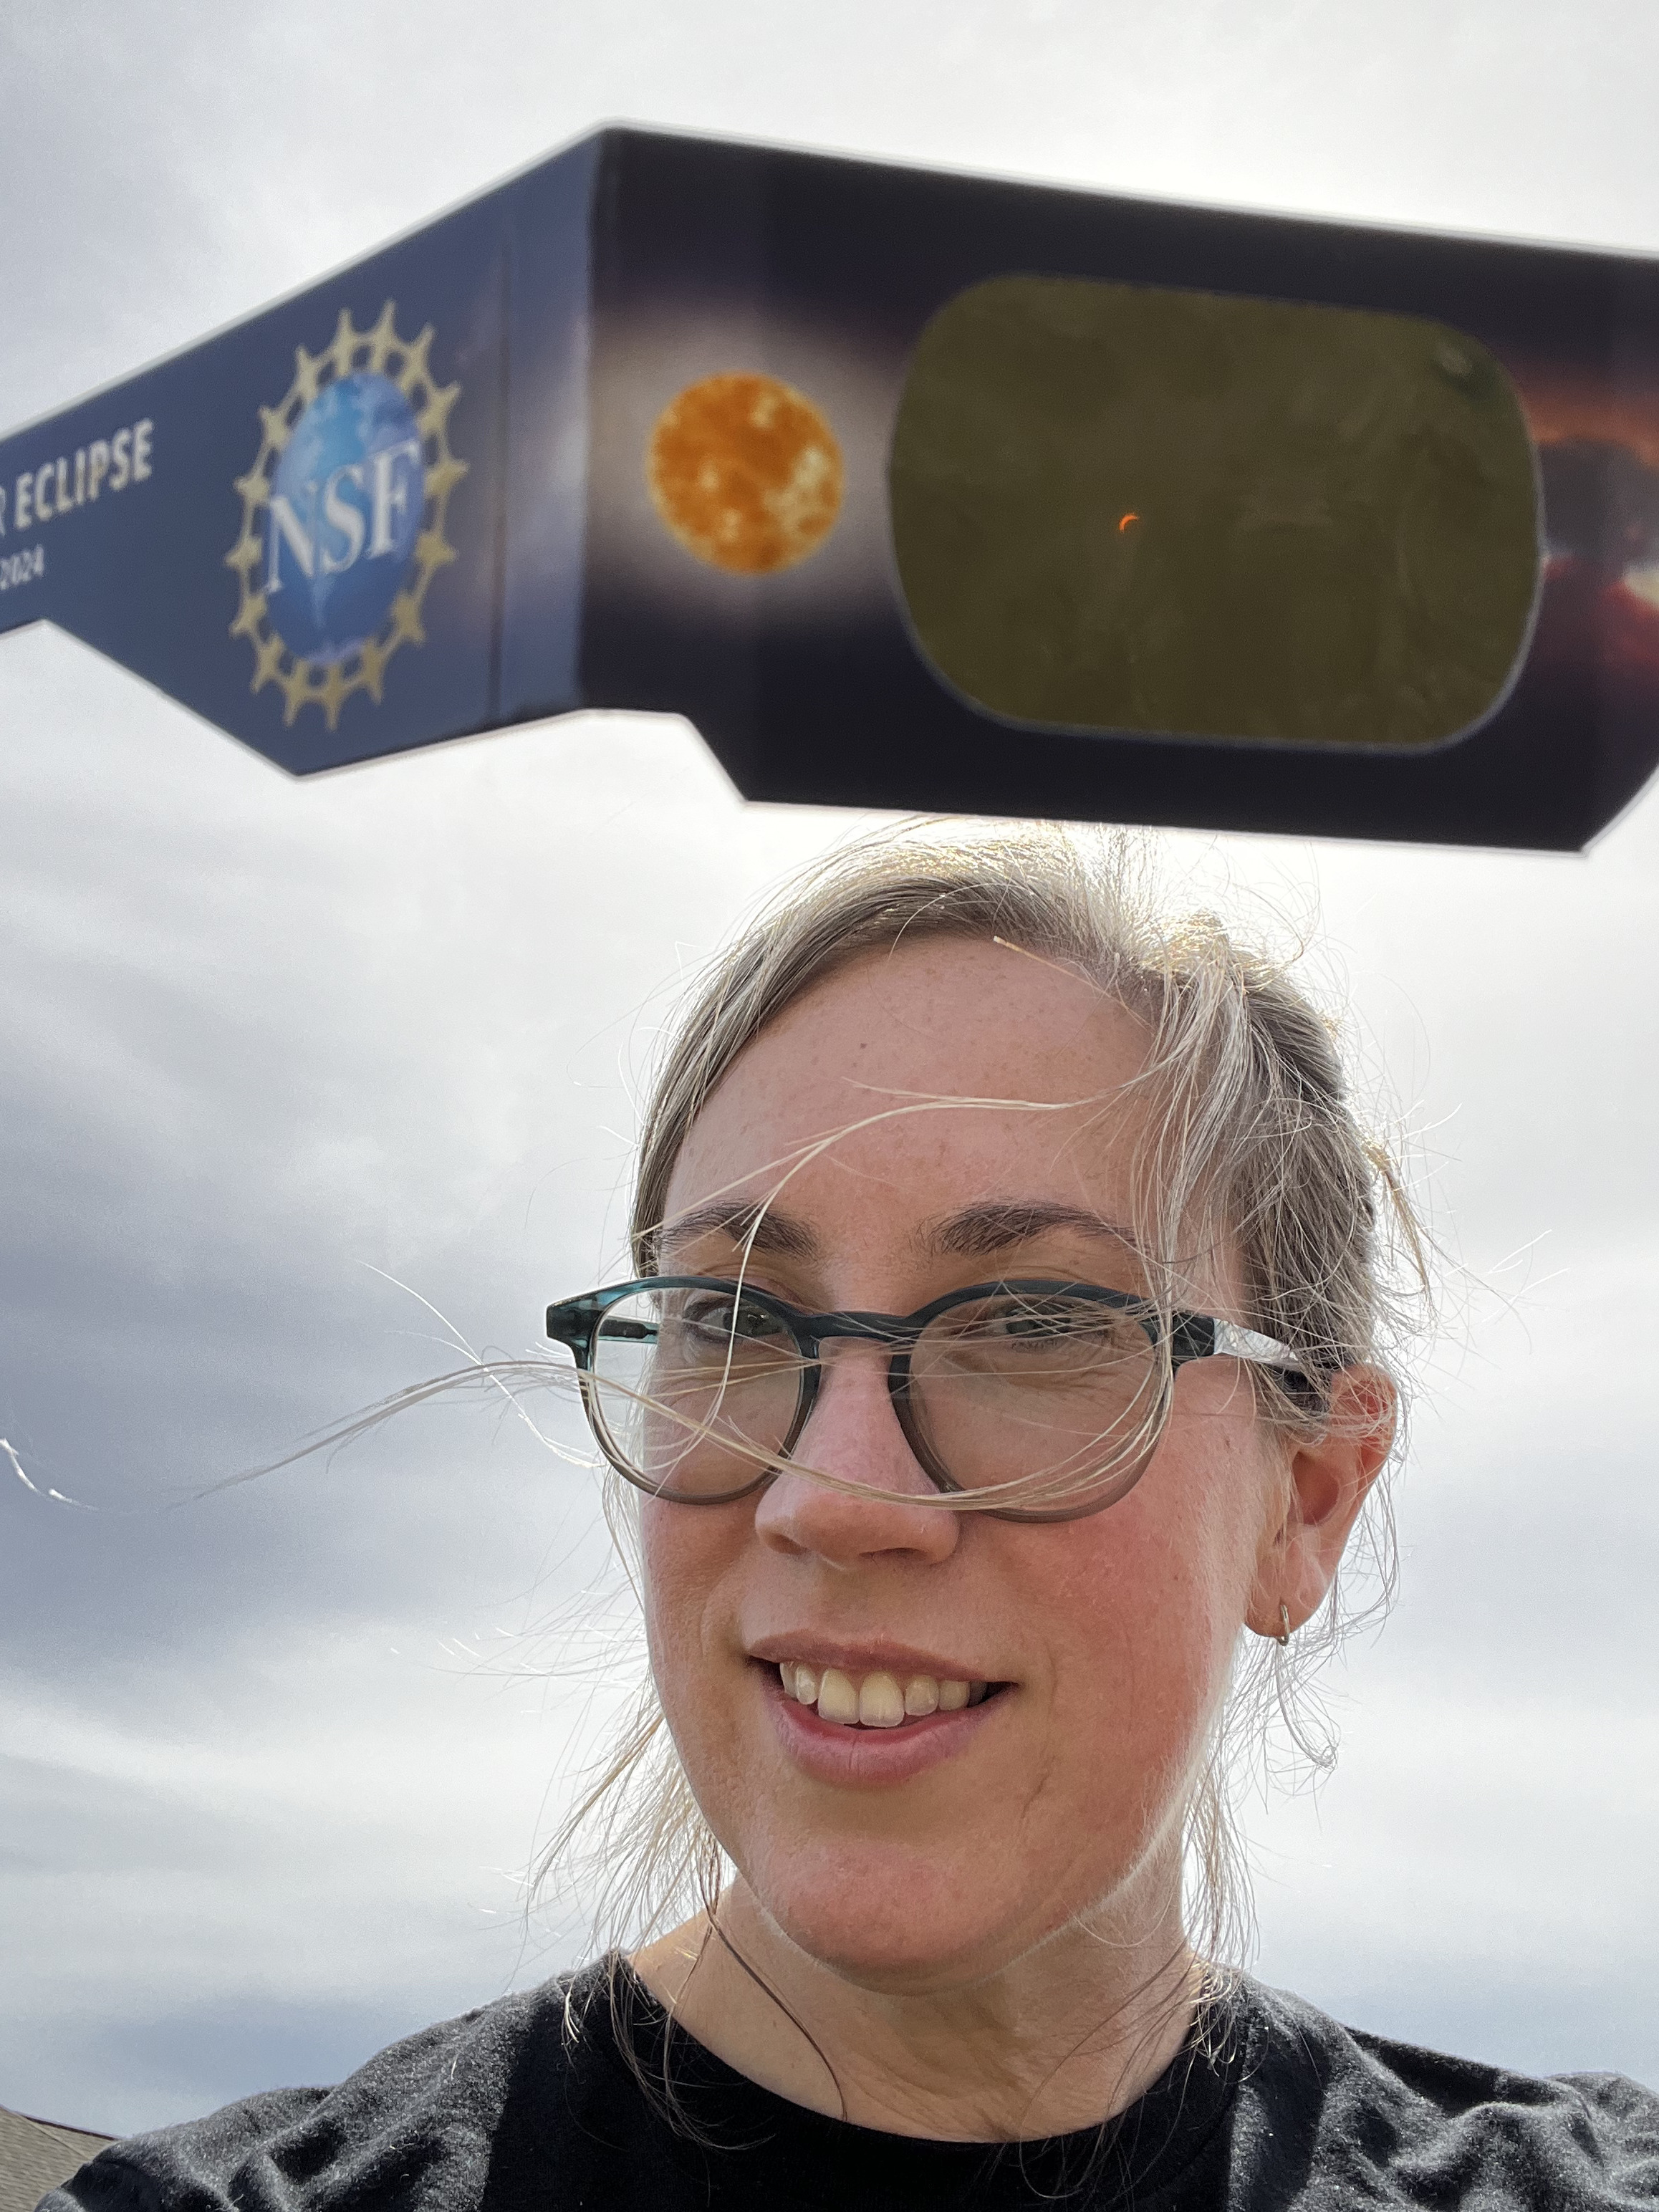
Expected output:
{"points": [[1327, 1479]]}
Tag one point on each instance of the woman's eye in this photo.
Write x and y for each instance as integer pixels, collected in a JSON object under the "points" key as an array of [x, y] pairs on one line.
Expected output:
{"points": [[1060, 1329], [709, 1316], [1029, 1321], [755, 1325], [729, 1321]]}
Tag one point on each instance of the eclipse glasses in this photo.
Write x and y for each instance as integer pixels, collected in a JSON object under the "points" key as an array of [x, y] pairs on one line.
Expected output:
{"points": [[910, 490]]}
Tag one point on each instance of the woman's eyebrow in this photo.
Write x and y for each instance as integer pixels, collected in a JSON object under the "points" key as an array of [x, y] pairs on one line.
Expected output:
{"points": [[992, 1225], [761, 1228]]}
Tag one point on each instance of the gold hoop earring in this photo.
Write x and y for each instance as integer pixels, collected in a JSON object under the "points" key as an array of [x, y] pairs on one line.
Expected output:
{"points": [[1284, 1635]]}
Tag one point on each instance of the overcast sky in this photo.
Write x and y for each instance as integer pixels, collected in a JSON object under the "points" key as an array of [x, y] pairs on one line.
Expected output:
{"points": [[271, 1764]]}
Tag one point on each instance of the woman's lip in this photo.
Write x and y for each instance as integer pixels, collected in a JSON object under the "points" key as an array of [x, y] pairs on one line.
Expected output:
{"points": [[870, 1757], [876, 1658]]}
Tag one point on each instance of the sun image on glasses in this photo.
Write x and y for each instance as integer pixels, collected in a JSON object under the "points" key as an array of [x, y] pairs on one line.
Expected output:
{"points": [[698, 1388]]}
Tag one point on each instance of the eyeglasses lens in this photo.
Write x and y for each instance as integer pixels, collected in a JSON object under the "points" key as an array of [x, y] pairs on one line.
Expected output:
{"points": [[1064, 1395], [695, 1390]]}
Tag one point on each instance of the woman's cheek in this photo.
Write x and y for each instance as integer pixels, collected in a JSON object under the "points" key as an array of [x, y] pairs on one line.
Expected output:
{"points": [[683, 1559], [669, 1640], [1148, 1594]]}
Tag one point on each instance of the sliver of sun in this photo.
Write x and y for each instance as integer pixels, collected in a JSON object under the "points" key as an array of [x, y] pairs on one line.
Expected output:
{"points": [[745, 472], [1124, 520]]}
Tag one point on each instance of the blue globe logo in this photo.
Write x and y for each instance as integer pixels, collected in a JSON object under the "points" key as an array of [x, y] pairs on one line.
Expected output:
{"points": [[347, 497], [345, 517]]}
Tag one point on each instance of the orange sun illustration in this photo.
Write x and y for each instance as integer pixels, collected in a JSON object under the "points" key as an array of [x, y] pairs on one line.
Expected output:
{"points": [[745, 472]]}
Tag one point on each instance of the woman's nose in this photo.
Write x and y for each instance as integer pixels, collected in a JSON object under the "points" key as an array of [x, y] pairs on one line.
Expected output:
{"points": [[854, 1434]]}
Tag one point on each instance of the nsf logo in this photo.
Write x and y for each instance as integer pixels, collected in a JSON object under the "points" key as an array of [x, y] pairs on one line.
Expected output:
{"points": [[343, 516]]}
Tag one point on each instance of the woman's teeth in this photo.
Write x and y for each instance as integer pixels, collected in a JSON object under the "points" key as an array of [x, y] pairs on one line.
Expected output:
{"points": [[875, 1701]]}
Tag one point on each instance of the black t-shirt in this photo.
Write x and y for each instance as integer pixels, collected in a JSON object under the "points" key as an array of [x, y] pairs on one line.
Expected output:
{"points": [[531, 2106]]}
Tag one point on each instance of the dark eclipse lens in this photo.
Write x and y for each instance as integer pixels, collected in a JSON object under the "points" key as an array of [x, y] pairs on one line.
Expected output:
{"points": [[1121, 508]]}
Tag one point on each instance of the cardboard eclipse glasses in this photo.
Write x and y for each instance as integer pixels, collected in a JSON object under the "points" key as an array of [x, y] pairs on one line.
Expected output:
{"points": [[910, 490]]}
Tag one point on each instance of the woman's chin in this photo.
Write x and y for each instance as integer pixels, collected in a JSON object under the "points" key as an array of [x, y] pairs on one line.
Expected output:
{"points": [[882, 1918]]}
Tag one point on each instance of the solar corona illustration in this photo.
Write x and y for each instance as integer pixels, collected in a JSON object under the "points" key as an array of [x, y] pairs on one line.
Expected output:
{"points": [[908, 490]]}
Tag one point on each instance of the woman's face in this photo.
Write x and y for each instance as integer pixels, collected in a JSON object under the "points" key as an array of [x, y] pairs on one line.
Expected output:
{"points": [[936, 1851]]}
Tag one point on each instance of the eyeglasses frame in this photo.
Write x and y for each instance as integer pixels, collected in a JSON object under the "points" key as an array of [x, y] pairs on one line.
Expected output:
{"points": [[575, 1323]]}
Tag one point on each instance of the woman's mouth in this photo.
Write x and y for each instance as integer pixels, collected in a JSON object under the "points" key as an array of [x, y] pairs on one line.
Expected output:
{"points": [[877, 1700]]}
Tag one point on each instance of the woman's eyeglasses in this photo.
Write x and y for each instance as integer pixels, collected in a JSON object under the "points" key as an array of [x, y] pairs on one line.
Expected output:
{"points": [[697, 1388]]}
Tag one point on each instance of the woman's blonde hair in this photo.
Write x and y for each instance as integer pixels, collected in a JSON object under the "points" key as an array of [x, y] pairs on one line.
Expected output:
{"points": [[1253, 1142]]}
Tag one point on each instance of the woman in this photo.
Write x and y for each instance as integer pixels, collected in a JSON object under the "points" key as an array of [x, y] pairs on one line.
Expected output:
{"points": [[1005, 1364]]}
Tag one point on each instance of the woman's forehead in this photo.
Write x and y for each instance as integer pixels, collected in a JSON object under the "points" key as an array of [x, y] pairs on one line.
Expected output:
{"points": [[960, 1008], [944, 1056]]}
